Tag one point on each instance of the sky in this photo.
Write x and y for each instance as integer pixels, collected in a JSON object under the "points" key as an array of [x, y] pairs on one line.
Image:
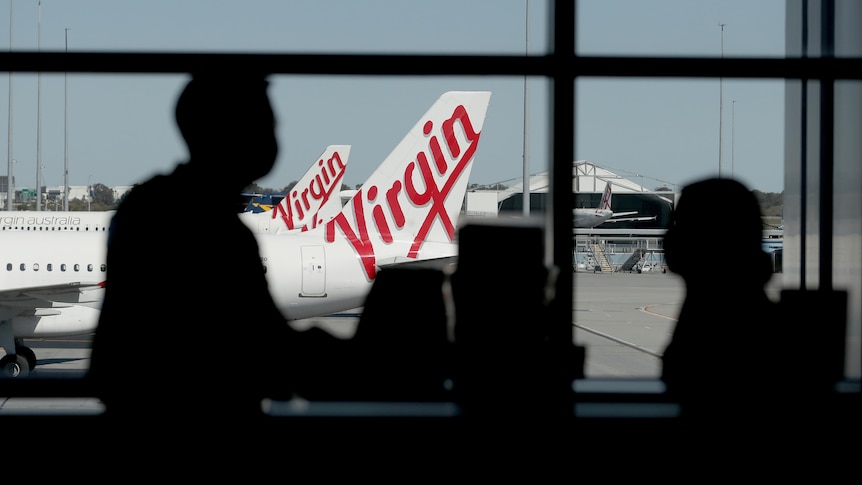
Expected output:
{"points": [[119, 129]]}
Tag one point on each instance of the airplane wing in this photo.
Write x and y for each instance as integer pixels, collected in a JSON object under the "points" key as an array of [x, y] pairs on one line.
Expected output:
{"points": [[434, 263], [630, 219], [47, 296]]}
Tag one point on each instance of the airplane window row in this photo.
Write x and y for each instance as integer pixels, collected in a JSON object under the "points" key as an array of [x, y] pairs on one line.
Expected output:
{"points": [[54, 228], [50, 267]]}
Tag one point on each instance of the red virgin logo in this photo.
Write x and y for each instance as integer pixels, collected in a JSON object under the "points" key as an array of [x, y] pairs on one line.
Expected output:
{"points": [[301, 200], [419, 194]]}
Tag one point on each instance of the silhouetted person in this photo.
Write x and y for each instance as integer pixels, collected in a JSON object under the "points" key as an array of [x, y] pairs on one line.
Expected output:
{"points": [[189, 334], [721, 362]]}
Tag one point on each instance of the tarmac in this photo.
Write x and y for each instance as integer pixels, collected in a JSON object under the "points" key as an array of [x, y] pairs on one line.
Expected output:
{"points": [[624, 320]]}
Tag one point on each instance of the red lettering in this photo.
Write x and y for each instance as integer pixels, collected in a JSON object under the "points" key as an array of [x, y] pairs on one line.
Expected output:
{"points": [[319, 189], [324, 172], [434, 194], [298, 205], [280, 210], [336, 172], [377, 215], [436, 151], [361, 243], [320, 193], [381, 224], [420, 188], [460, 114], [394, 205]]}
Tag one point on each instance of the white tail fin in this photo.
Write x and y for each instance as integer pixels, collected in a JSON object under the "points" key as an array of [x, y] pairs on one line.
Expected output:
{"points": [[413, 200], [606, 198], [313, 201]]}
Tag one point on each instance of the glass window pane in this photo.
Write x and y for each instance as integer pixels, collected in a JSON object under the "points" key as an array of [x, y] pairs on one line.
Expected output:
{"points": [[378, 26], [647, 138], [680, 28]]}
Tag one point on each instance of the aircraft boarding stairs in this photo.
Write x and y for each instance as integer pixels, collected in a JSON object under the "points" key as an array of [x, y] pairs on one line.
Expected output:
{"points": [[631, 263], [601, 258]]}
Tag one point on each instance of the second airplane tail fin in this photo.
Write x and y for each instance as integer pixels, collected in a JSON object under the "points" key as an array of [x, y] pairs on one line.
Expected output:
{"points": [[313, 201]]}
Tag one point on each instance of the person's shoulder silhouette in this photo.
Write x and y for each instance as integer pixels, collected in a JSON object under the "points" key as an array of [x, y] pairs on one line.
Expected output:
{"points": [[720, 345], [187, 323]]}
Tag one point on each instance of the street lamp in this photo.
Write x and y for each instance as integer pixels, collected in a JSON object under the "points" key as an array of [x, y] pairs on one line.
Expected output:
{"points": [[11, 184], [89, 192], [10, 197], [39, 115], [720, 100], [41, 183], [66, 134], [732, 129]]}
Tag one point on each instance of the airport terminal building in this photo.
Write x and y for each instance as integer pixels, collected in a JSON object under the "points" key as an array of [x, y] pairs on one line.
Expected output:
{"points": [[588, 183], [625, 245]]}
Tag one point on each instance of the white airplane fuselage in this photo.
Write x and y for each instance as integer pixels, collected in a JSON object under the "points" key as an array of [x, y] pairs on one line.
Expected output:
{"points": [[585, 218], [307, 277], [52, 283], [57, 221], [64, 269]]}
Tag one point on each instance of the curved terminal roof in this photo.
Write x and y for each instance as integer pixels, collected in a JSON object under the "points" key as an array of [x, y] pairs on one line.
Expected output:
{"points": [[586, 177]]}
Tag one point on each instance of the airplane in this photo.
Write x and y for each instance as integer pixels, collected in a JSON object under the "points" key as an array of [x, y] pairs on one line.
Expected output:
{"points": [[307, 206], [405, 213], [588, 218], [310, 203], [261, 202], [55, 220]]}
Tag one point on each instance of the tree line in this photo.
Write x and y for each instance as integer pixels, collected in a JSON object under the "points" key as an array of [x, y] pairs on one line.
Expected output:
{"points": [[102, 197]]}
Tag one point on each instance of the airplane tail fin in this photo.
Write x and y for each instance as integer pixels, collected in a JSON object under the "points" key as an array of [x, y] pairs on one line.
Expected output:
{"points": [[606, 198], [314, 200], [413, 200]]}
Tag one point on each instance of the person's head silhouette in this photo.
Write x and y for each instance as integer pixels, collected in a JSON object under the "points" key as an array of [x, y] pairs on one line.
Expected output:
{"points": [[228, 124], [717, 220]]}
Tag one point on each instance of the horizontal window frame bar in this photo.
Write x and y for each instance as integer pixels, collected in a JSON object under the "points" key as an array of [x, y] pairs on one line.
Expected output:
{"points": [[431, 65]]}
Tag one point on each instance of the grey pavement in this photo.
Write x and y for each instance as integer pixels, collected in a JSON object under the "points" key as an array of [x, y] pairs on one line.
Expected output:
{"points": [[624, 320]]}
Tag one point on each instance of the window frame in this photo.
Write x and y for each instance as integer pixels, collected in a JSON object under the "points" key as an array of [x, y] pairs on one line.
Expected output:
{"points": [[561, 65]]}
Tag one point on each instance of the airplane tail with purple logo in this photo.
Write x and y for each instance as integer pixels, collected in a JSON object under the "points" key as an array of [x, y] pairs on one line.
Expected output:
{"points": [[606, 198], [408, 208]]}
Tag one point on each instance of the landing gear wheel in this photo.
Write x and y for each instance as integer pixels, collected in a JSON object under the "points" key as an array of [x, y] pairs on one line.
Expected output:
{"points": [[28, 354], [14, 366]]}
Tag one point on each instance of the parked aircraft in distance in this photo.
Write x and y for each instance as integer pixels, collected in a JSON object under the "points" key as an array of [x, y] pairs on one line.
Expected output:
{"points": [[307, 206], [405, 212], [587, 218]]}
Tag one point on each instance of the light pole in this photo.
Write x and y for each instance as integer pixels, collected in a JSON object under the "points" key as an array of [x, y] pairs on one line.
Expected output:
{"points": [[526, 168], [89, 192], [39, 114], [11, 195], [66, 134], [11, 184], [732, 123], [720, 100]]}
